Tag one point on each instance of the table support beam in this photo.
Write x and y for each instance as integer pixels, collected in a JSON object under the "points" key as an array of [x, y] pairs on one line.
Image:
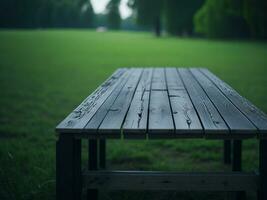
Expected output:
{"points": [[102, 153], [141, 180], [68, 168], [227, 152], [237, 156]]}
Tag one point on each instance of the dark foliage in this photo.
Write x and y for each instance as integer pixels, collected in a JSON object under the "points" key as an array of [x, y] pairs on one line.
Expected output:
{"points": [[209, 18], [149, 13], [179, 16], [113, 14], [45, 13], [232, 19]]}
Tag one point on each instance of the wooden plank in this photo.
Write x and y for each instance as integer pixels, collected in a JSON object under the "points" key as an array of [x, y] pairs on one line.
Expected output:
{"points": [[164, 135], [171, 181], [255, 115], [145, 82], [158, 80], [113, 121], [93, 125], [77, 120], [160, 116], [235, 120], [186, 121], [135, 124], [211, 120]]}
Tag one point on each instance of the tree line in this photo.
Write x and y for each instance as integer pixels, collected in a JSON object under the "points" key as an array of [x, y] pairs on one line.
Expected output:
{"points": [[57, 14], [208, 18], [46, 13], [232, 19]]}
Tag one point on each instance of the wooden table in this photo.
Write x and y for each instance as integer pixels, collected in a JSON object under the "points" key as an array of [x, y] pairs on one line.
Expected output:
{"points": [[160, 103]]}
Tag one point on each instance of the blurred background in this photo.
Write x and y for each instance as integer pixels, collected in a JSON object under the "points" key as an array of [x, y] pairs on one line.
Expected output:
{"points": [[54, 53], [214, 19]]}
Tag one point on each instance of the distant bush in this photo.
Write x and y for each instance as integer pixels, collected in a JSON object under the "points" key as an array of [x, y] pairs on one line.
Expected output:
{"points": [[255, 13], [45, 13], [218, 19], [232, 19]]}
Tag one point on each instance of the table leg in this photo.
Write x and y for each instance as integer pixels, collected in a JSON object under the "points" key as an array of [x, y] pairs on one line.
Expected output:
{"points": [[92, 194], [237, 165], [102, 154], [68, 168], [237, 155], [263, 170], [227, 152]]}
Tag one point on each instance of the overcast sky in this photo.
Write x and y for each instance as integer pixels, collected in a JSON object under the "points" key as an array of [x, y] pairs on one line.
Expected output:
{"points": [[99, 7]]}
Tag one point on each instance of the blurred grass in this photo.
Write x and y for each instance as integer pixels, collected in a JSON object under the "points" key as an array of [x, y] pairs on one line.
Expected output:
{"points": [[45, 74]]}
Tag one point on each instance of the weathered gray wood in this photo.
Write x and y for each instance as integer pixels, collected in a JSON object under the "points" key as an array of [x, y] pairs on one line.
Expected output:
{"points": [[254, 114], [158, 79], [135, 124], [113, 121], [164, 135], [137, 180], [235, 120], [165, 103], [93, 125], [77, 120], [211, 120], [145, 81], [173, 79], [160, 116], [186, 121]]}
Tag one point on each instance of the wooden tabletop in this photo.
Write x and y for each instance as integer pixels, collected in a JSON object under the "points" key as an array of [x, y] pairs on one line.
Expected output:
{"points": [[165, 103]]}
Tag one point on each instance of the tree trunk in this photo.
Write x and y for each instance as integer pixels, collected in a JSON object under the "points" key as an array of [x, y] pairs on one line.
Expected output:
{"points": [[157, 26]]}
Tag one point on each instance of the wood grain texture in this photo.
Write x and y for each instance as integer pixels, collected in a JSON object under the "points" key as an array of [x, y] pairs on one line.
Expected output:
{"points": [[186, 121], [114, 119], [165, 103], [77, 120], [211, 120], [158, 79], [235, 120], [255, 115], [135, 124], [93, 125], [160, 116]]}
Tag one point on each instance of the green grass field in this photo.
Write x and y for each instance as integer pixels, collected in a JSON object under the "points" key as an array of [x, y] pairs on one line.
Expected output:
{"points": [[45, 74]]}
